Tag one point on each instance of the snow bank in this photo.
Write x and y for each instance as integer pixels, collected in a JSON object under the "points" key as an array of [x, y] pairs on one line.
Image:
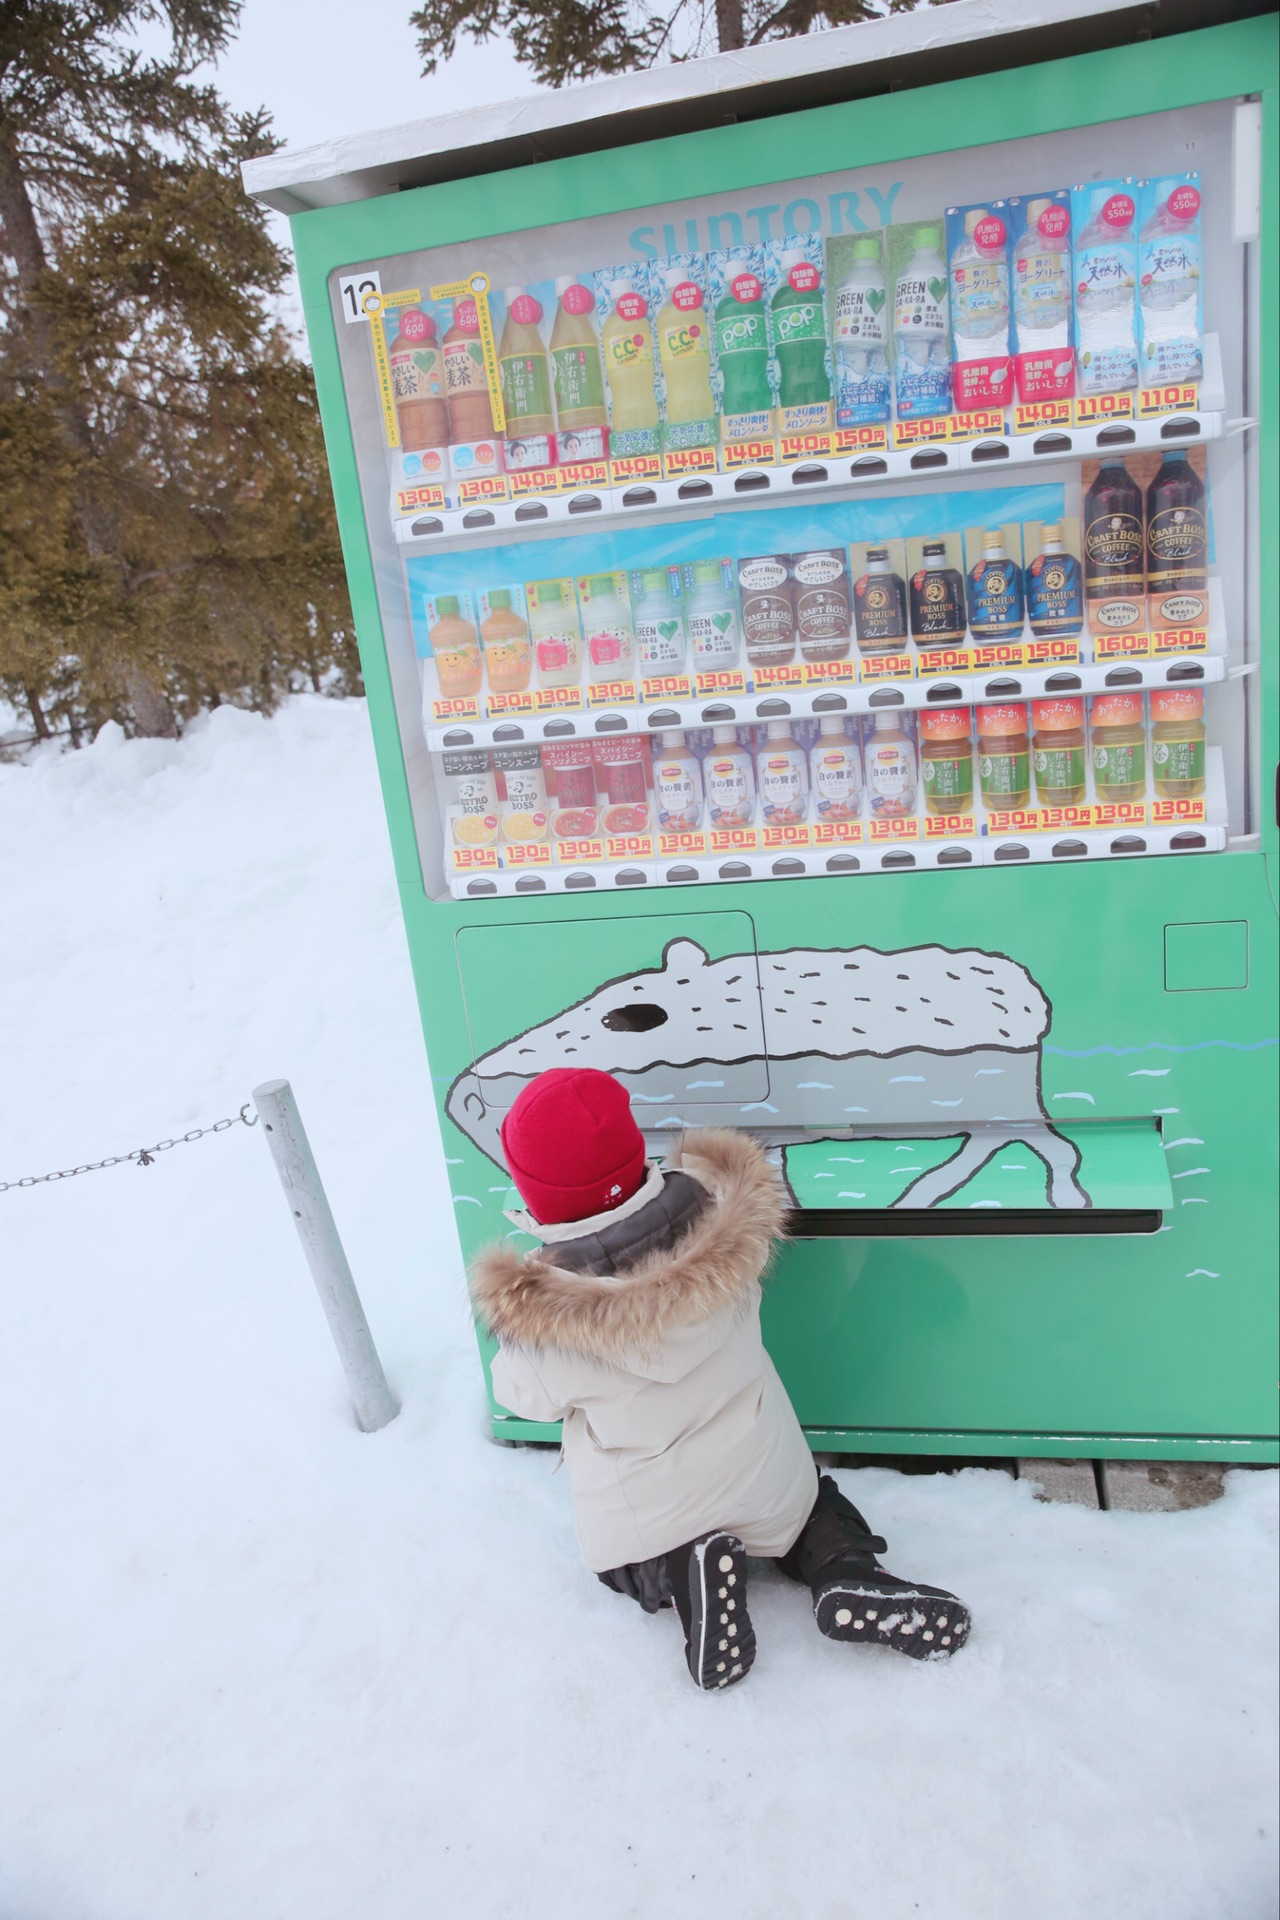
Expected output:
{"points": [[260, 1665]]}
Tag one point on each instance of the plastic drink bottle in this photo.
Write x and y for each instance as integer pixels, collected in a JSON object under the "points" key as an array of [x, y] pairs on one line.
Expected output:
{"points": [[557, 636], [1106, 263], [729, 779], [937, 600], [628, 361], [742, 347], [524, 812], [1054, 592], [466, 382], [920, 319], [581, 415], [1118, 743], [611, 643], [1042, 278], [684, 348], [1004, 757], [526, 377], [861, 319], [800, 333], [997, 608], [1114, 551], [782, 777], [505, 638], [1169, 268], [417, 383], [1177, 544], [946, 759], [880, 606], [891, 768], [456, 648], [980, 288], [835, 772], [1177, 743], [1057, 751], [659, 630], [677, 785], [711, 620]]}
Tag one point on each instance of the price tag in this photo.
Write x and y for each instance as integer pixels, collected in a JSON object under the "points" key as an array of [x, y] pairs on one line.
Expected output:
{"points": [[917, 433], [979, 424], [1001, 820], [734, 840], [413, 500], [582, 473], [886, 666], [483, 486], [612, 693], [1120, 813], [579, 853], [475, 859], [1176, 399], [637, 466], [524, 481], [686, 460], [630, 846], [771, 838], [818, 445], [1168, 813], [936, 662], [510, 703], [1056, 653], [1097, 409], [998, 653], [948, 826], [667, 686], [456, 709], [558, 700], [690, 844], [827, 673], [1035, 415], [1061, 819], [1179, 640], [894, 829], [526, 853], [749, 453], [725, 683], [837, 833], [789, 676], [1121, 646], [864, 439]]}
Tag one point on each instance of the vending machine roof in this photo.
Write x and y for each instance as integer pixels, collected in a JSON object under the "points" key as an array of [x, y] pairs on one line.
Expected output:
{"points": [[935, 44]]}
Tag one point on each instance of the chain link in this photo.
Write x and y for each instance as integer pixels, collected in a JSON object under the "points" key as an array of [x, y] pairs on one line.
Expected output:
{"points": [[141, 1156]]}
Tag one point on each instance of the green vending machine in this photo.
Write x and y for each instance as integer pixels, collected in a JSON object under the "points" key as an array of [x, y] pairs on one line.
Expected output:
{"points": [[810, 518]]}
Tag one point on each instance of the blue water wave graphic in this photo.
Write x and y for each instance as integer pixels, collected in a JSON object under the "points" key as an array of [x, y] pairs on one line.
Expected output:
{"points": [[1160, 1046]]}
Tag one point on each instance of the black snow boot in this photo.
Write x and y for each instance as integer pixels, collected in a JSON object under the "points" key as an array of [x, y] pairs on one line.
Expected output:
{"points": [[854, 1598], [709, 1586]]}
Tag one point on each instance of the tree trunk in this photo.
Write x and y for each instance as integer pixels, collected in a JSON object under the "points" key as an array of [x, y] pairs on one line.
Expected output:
{"points": [[151, 709], [38, 720], [730, 32]]}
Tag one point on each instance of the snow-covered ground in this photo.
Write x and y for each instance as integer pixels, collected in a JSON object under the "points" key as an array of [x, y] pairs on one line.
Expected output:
{"points": [[259, 1666]]}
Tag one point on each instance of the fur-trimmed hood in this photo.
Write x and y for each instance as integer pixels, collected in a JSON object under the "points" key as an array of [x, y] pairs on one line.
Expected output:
{"points": [[531, 1303]]}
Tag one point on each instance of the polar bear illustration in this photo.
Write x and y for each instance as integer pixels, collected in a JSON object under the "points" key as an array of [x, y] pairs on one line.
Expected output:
{"points": [[804, 1045]]}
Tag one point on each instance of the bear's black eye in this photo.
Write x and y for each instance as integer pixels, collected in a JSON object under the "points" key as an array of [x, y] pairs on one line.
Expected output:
{"points": [[634, 1019]]}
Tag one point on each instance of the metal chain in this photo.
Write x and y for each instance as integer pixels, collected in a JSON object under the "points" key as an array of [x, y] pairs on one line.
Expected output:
{"points": [[141, 1156]]}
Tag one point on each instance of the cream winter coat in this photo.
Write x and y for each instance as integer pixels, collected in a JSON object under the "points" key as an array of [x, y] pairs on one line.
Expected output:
{"points": [[675, 1421]]}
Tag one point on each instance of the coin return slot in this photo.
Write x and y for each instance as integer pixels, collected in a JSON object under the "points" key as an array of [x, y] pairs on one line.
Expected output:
{"points": [[631, 877], [1062, 683], [531, 883], [1069, 850], [930, 457], [421, 528], [578, 880], [681, 875], [844, 863], [531, 510], [812, 476], [735, 870], [898, 858], [1187, 842], [478, 517], [989, 450], [695, 490], [1012, 851], [1129, 843], [751, 483], [944, 691], [612, 723], [785, 867], [869, 467], [1124, 677], [1051, 443], [955, 857], [1188, 428], [586, 503], [639, 497], [1115, 437]]}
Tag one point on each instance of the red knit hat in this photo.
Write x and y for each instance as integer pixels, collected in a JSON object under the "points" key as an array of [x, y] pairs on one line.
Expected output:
{"points": [[572, 1146]]}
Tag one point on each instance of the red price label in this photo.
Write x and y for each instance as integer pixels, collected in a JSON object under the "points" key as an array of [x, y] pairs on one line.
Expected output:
{"points": [[534, 480], [895, 829], [837, 833], [976, 424], [413, 499], [1013, 820], [575, 853], [671, 844], [524, 853], [473, 859], [790, 676], [1166, 813], [1063, 653], [886, 666], [1120, 813], [631, 846], [823, 672], [1034, 415], [734, 840], [1121, 646], [948, 826], [510, 703], [790, 836]]}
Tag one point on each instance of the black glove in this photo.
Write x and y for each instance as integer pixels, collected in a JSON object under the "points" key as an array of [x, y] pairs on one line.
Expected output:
{"points": [[642, 1580]]}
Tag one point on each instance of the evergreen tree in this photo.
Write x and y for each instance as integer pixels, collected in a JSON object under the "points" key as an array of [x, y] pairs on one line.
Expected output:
{"points": [[166, 534], [568, 40]]}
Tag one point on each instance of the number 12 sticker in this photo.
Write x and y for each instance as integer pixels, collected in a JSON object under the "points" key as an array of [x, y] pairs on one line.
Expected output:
{"points": [[352, 290]]}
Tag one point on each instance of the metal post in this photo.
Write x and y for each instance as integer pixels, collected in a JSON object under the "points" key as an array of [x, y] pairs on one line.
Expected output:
{"points": [[286, 1136]]}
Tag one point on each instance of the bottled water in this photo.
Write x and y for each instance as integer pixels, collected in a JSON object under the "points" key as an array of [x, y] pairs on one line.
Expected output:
{"points": [[1169, 267], [1106, 276]]}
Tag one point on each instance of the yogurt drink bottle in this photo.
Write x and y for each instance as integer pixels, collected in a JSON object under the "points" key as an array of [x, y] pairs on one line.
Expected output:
{"points": [[628, 363], [711, 620], [684, 348], [921, 327], [1106, 264], [557, 636], [782, 777], [581, 416], [677, 785], [861, 320], [835, 772], [659, 630], [980, 288], [526, 383], [1042, 278], [729, 780], [611, 647]]}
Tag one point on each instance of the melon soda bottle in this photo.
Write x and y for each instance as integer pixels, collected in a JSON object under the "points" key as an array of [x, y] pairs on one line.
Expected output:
{"points": [[581, 416], [800, 337]]}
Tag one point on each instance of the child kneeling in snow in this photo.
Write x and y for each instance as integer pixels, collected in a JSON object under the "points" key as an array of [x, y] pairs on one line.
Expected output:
{"points": [[637, 1323]]}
